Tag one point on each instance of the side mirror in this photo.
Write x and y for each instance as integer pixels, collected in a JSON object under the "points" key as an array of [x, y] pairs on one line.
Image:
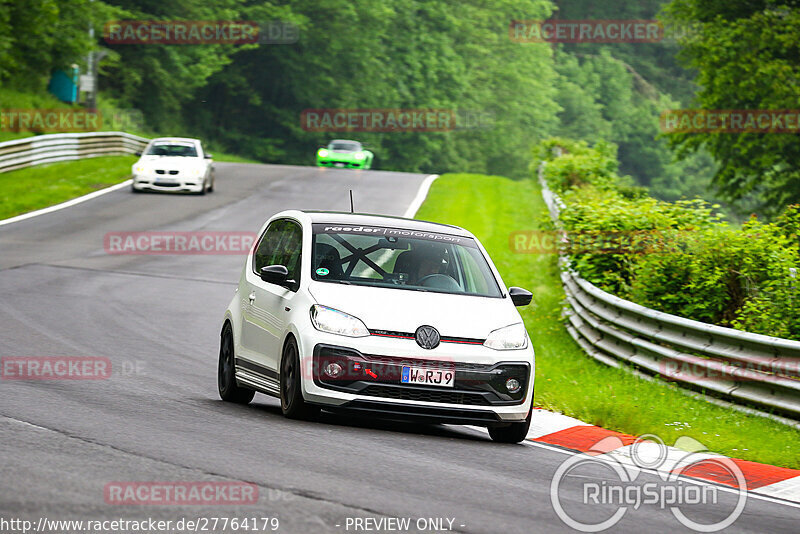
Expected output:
{"points": [[519, 296], [209, 156], [275, 274], [137, 154]]}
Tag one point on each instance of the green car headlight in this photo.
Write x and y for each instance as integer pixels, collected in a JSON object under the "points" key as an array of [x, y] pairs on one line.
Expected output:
{"points": [[323, 153], [359, 155]]}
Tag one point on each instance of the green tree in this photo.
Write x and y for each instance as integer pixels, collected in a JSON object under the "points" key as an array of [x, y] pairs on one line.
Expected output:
{"points": [[747, 56]]}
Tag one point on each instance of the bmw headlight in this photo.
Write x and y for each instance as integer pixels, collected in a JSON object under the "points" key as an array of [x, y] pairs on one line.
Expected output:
{"points": [[508, 338], [139, 168], [323, 153], [359, 155], [334, 321]]}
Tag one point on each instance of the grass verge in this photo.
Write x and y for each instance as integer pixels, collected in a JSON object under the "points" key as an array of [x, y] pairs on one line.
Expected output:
{"points": [[568, 380], [37, 187]]}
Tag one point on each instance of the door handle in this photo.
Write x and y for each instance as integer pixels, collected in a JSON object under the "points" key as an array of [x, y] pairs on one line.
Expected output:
{"points": [[252, 297]]}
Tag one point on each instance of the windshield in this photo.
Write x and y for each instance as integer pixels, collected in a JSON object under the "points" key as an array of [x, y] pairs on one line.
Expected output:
{"points": [[172, 149], [401, 259], [348, 146]]}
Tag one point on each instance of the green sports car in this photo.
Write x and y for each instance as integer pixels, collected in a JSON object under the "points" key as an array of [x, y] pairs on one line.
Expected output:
{"points": [[345, 154]]}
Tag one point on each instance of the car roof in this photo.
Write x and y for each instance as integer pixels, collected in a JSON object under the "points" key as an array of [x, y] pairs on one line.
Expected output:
{"points": [[344, 141], [174, 139], [369, 219]]}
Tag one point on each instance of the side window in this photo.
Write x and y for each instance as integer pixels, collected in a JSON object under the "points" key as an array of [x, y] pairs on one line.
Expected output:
{"points": [[281, 244], [291, 247], [268, 248]]}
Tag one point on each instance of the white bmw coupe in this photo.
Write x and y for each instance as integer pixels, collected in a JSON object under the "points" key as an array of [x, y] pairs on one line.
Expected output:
{"points": [[381, 316], [174, 164]]}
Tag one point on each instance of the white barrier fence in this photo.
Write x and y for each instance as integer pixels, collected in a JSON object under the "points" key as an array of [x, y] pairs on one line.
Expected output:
{"points": [[737, 366], [31, 151]]}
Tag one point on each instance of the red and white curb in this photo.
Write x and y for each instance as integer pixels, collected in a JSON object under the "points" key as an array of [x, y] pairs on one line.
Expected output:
{"points": [[685, 458]]}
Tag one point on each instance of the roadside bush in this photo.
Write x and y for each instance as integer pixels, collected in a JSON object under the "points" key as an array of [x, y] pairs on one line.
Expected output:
{"points": [[609, 234], [578, 165], [678, 257], [741, 279]]}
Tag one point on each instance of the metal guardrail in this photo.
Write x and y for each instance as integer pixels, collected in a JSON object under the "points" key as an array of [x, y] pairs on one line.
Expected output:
{"points": [[30, 151], [740, 367]]}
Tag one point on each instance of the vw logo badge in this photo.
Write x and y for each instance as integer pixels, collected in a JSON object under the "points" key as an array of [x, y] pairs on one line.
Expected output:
{"points": [[427, 337]]}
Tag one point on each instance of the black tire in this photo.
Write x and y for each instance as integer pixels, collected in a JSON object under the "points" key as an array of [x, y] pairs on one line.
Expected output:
{"points": [[293, 405], [512, 433], [211, 185], [229, 390], [134, 190]]}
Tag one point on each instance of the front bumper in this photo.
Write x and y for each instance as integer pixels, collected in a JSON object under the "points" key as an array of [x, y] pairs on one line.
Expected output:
{"points": [[478, 395], [160, 183], [342, 163]]}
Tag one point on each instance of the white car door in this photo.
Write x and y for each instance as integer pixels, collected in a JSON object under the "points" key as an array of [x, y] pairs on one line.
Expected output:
{"points": [[264, 305]]}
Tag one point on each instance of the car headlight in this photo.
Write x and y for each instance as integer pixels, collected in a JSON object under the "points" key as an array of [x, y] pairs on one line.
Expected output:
{"points": [[139, 168], [196, 171], [359, 155], [323, 153], [334, 321], [508, 338]]}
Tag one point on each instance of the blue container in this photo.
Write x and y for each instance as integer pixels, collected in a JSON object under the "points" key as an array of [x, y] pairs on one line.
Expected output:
{"points": [[64, 85]]}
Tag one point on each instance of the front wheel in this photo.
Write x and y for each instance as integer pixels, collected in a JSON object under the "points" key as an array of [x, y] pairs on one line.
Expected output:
{"points": [[512, 433], [229, 390], [293, 405]]}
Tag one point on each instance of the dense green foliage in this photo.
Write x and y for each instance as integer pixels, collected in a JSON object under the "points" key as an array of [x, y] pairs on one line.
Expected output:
{"points": [[747, 56], [678, 257], [247, 99], [567, 380]]}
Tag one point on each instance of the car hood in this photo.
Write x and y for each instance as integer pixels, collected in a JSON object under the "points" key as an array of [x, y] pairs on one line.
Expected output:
{"points": [[171, 162], [402, 310]]}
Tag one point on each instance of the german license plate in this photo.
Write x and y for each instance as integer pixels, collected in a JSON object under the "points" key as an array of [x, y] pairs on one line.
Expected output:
{"points": [[428, 377], [339, 164]]}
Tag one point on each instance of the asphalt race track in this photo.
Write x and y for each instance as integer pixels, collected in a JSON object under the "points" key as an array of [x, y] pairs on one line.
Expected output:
{"points": [[159, 418]]}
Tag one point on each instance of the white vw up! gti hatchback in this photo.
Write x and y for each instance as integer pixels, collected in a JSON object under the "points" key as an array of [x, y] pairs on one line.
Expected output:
{"points": [[378, 315]]}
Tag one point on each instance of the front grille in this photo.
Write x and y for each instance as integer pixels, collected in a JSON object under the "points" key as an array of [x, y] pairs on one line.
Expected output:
{"points": [[173, 172], [425, 395], [410, 335], [427, 364], [160, 171]]}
